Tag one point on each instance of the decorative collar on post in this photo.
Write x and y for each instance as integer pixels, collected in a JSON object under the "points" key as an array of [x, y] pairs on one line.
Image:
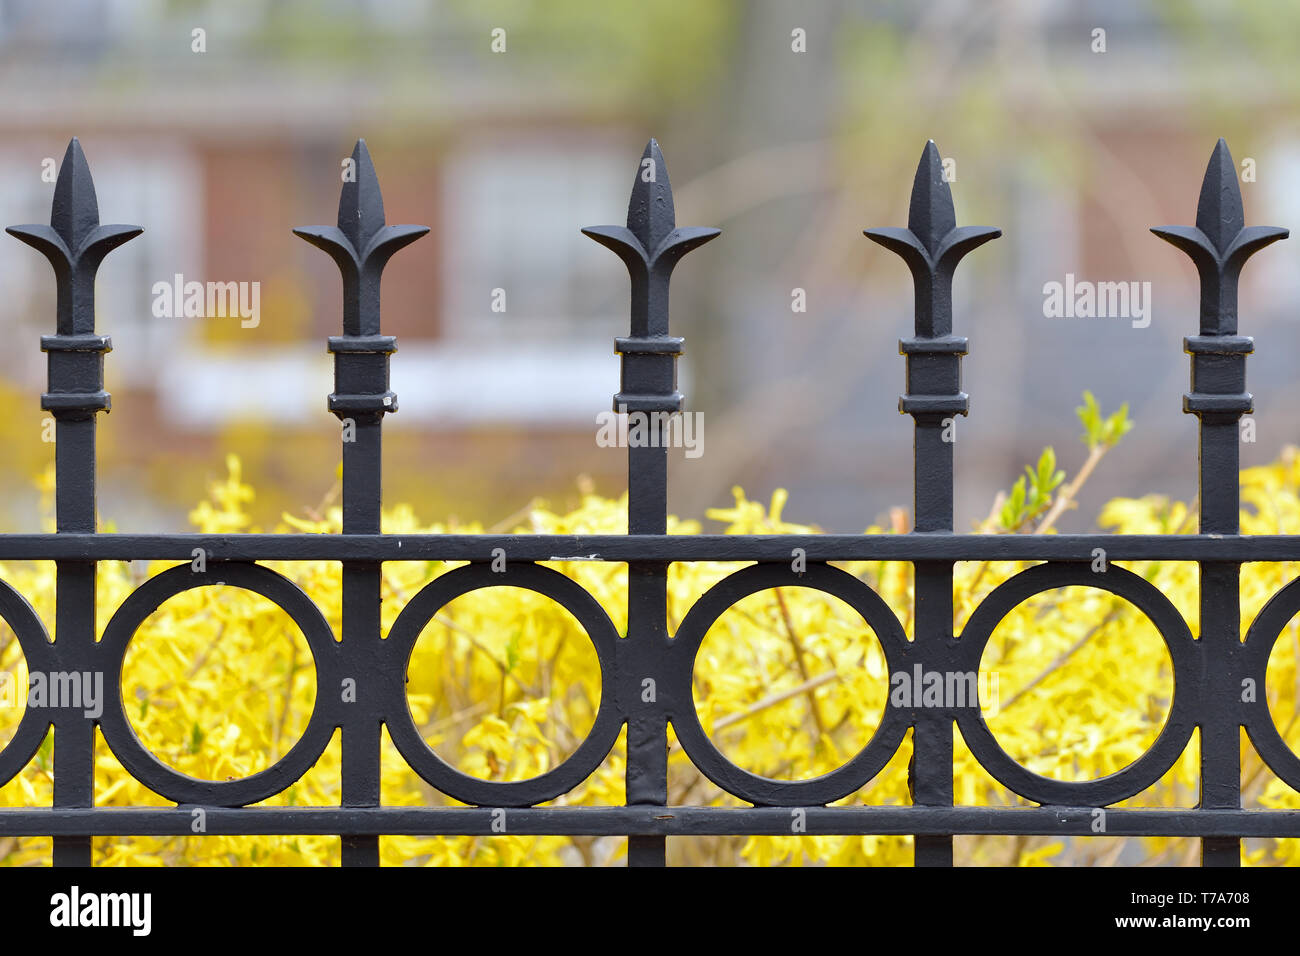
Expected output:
{"points": [[75, 244], [361, 246], [1219, 245], [650, 246]]}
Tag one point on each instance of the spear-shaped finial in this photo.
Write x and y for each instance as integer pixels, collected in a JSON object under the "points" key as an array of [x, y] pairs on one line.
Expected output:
{"points": [[651, 243], [932, 244], [74, 242], [361, 244], [1220, 242]]}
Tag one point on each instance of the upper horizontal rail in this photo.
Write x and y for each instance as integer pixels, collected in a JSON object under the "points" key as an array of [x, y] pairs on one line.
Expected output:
{"points": [[649, 548]]}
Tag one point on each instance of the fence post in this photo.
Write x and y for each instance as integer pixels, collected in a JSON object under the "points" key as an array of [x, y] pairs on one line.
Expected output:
{"points": [[75, 244], [361, 246], [1219, 245], [650, 246], [932, 245]]}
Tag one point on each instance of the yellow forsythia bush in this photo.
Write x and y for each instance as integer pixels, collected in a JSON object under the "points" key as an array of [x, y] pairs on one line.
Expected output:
{"points": [[789, 683]]}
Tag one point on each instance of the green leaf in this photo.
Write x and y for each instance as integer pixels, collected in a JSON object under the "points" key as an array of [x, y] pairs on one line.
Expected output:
{"points": [[1099, 430], [1013, 509], [1047, 470], [1118, 425], [1090, 417]]}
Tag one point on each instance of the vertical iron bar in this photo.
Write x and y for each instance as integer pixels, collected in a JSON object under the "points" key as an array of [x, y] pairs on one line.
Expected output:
{"points": [[361, 246], [362, 466], [932, 245], [75, 244], [650, 246], [1219, 244]]}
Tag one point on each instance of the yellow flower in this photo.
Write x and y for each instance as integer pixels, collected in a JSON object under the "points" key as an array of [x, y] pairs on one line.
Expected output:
{"points": [[789, 684]]}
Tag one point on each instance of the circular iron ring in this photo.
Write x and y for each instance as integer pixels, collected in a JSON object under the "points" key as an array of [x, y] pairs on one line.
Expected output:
{"points": [[34, 641], [121, 736], [406, 630], [764, 791], [1260, 723], [1173, 737]]}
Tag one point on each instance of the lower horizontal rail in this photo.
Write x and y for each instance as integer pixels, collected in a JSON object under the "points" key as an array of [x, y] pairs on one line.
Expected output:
{"points": [[650, 548], [647, 821]]}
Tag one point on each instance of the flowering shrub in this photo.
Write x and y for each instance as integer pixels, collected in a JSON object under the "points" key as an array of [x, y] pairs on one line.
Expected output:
{"points": [[789, 683]]}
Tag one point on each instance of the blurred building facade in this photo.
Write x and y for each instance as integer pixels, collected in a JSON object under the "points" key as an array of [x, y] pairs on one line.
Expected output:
{"points": [[219, 152]]}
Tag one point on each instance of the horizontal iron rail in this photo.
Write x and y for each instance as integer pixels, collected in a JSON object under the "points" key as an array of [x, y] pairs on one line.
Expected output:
{"points": [[633, 548], [649, 821]]}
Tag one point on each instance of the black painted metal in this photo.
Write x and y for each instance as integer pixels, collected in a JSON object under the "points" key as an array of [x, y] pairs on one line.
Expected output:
{"points": [[1208, 671], [932, 245], [361, 246], [1219, 244], [650, 246], [75, 244]]}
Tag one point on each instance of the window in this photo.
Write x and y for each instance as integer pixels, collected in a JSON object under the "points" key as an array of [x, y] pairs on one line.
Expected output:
{"points": [[513, 214]]}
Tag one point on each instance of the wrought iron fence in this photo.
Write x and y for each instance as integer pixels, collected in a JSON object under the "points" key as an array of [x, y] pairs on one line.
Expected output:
{"points": [[1208, 670]]}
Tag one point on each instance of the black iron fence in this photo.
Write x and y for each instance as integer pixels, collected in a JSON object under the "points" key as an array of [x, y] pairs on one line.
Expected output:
{"points": [[1209, 670]]}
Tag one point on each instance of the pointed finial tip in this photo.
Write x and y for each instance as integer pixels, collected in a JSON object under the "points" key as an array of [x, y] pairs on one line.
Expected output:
{"points": [[931, 215], [931, 162], [930, 158], [650, 212]]}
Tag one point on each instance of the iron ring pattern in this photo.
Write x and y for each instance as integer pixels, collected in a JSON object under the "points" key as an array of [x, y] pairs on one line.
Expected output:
{"points": [[764, 791], [42, 656], [387, 682], [147, 768], [406, 630], [1256, 715], [1184, 652]]}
